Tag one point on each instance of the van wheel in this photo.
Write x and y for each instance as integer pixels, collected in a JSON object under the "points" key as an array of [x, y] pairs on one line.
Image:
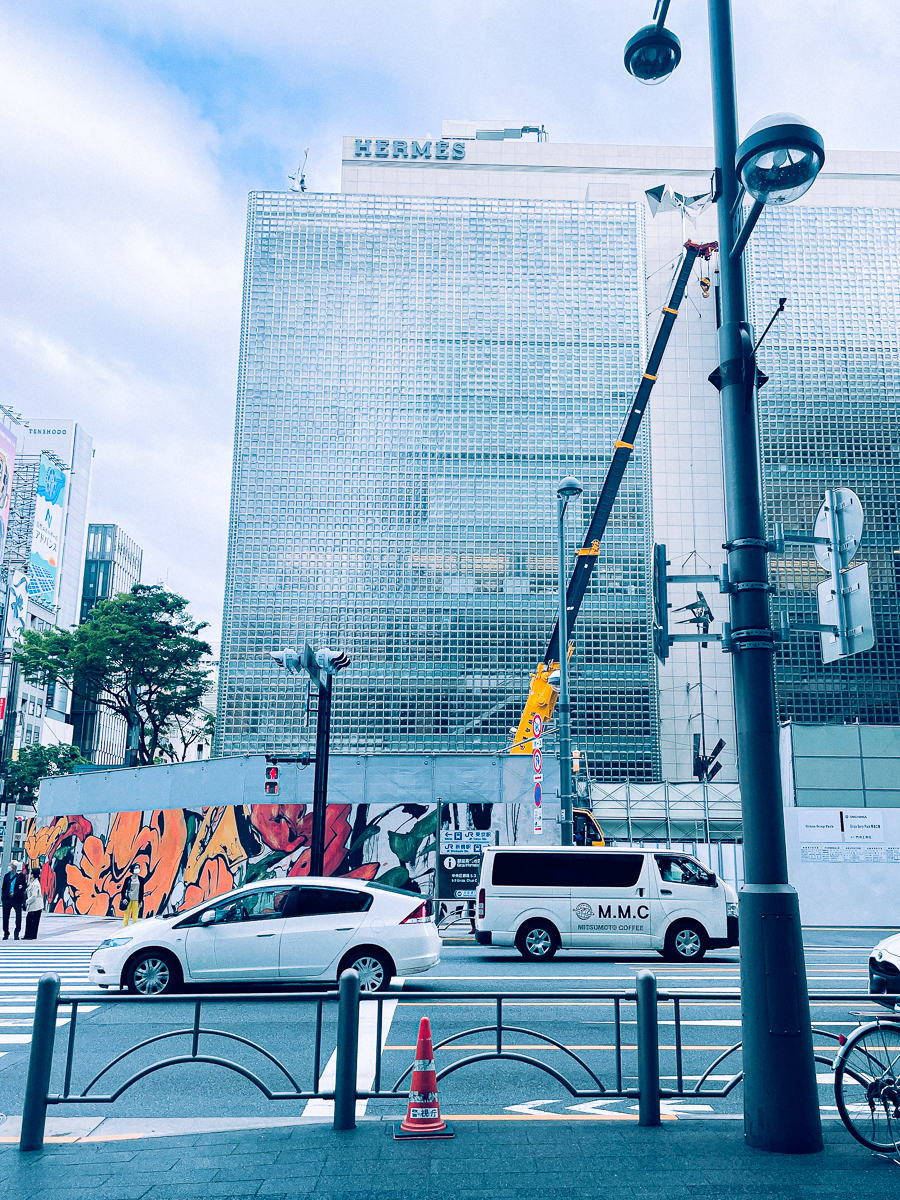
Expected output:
{"points": [[537, 941], [685, 942]]}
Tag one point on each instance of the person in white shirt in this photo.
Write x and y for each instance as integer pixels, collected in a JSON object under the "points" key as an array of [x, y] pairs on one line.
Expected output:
{"points": [[34, 905]]}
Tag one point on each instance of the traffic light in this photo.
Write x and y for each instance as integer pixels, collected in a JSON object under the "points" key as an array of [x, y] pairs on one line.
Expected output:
{"points": [[660, 604], [287, 658], [332, 661], [704, 767], [271, 781]]}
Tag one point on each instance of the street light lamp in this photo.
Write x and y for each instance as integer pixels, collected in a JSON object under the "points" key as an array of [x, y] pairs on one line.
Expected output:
{"points": [[777, 163], [567, 490], [652, 54], [780, 158]]}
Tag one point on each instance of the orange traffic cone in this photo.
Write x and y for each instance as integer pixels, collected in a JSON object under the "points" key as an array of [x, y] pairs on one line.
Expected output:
{"points": [[423, 1113]]}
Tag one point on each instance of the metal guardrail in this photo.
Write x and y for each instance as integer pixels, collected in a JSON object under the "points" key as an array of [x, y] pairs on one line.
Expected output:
{"points": [[347, 999]]}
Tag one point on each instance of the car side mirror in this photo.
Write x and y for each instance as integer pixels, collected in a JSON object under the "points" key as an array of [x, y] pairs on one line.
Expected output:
{"points": [[208, 917]]}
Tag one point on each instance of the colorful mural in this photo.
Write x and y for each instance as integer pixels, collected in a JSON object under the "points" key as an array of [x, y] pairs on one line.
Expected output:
{"points": [[187, 856]]}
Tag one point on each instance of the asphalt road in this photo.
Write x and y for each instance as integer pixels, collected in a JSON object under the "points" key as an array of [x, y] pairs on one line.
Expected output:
{"points": [[836, 961]]}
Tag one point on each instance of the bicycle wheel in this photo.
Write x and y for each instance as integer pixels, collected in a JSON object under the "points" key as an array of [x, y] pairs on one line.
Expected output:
{"points": [[867, 1086]]}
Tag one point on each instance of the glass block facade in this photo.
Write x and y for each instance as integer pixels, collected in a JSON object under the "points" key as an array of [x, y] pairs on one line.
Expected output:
{"points": [[830, 417], [416, 375]]}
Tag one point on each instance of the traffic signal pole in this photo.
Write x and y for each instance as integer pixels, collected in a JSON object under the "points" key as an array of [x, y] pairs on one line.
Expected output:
{"points": [[320, 781], [781, 1102]]}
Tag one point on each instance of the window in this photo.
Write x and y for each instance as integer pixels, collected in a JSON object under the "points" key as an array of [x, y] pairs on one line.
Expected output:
{"points": [[264, 905], [567, 870], [683, 870], [606, 870], [316, 901]]}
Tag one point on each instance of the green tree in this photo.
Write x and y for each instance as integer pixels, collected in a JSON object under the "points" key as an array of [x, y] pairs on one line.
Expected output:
{"points": [[34, 764], [139, 654]]}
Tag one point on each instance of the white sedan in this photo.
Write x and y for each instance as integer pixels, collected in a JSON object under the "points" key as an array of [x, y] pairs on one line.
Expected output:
{"points": [[289, 931]]}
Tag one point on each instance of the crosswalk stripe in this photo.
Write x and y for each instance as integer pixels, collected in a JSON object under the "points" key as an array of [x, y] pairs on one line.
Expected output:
{"points": [[21, 969]]}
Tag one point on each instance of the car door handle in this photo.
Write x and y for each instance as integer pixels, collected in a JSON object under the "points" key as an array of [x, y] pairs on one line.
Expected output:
{"points": [[343, 929], [665, 891], [265, 935]]}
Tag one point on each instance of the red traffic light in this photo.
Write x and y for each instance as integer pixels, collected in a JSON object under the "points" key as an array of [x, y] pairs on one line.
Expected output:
{"points": [[271, 772], [271, 781]]}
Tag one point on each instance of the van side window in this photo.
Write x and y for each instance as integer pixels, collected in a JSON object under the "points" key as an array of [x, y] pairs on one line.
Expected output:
{"points": [[532, 870], [683, 870], [567, 870], [605, 870]]}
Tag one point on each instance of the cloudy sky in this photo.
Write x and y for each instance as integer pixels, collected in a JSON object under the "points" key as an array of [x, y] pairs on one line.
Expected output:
{"points": [[131, 133]]}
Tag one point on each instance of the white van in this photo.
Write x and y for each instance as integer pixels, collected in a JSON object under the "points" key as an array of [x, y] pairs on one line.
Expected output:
{"points": [[578, 898]]}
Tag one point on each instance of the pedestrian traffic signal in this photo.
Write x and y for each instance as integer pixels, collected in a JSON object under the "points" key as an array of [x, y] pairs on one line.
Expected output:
{"points": [[271, 781]]}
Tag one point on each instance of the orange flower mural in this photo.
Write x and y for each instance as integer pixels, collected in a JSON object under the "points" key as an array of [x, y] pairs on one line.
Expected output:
{"points": [[282, 826], [96, 882], [40, 843], [198, 854], [337, 830], [214, 879]]}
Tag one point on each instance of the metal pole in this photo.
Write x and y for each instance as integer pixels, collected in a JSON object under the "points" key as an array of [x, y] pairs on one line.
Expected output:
{"points": [[781, 1103], [9, 833], [347, 1051], [320, 781], [647, 1049], [563, 709], [40, 1063], [834, 558]]}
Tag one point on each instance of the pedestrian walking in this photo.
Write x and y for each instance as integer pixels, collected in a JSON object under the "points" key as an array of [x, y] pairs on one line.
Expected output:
{"points": [[132, 897], [15, 883], [34, 905]]}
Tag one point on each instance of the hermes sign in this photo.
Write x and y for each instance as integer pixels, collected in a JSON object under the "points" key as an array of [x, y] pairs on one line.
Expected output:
{"points": [[442, 151]]}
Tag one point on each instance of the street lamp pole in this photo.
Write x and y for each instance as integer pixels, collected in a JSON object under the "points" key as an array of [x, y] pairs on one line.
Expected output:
{"points": [[781, 1102], [568, 489]]}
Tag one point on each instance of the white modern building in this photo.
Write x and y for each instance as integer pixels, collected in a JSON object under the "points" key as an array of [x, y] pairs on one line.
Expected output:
{"points": [[491, 293], [827, 418]]}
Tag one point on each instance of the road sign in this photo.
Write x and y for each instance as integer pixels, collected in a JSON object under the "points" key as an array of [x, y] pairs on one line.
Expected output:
{"points": [[860, 632], [849, 517]]}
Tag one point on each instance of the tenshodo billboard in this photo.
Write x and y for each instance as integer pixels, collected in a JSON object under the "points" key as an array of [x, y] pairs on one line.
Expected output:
{"points": [[46, 540]]}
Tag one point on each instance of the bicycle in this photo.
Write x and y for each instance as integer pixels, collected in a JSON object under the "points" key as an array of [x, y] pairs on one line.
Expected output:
{"points": [[867, 1084]]}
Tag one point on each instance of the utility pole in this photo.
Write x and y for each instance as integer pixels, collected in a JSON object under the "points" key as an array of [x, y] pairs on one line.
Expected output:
{"points": [[321, 666], [781, 1100]]}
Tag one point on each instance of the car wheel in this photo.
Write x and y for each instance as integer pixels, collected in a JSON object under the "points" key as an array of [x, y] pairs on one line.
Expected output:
{"points": [[152, 973], [374, 968], [685, 942], [537, 941]]}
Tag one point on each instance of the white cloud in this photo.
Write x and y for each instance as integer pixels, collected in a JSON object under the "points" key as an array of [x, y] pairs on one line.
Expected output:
{"points": [[122, 264], [123, 233]]}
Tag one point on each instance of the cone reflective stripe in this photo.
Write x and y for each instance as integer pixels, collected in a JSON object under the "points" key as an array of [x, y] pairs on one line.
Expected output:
{"points": [[423, 1112]]}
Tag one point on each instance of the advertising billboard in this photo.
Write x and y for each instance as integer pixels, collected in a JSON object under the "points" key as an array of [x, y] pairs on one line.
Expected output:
{"points": [[7, 463], [46, 539]]}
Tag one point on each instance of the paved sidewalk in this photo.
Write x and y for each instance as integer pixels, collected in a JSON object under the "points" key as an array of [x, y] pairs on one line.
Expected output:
{"points": [[487, 1160]]}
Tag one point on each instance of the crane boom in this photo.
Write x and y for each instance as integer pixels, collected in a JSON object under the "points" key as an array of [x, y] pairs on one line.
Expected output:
{"points": [[542, 696]]}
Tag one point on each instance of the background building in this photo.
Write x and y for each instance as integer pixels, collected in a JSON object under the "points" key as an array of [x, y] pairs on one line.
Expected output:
{"points": [[112, 565], [46, 576], [427, 353]]}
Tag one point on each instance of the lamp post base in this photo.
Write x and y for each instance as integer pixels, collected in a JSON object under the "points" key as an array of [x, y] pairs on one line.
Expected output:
{"points": [[781, 1095]]}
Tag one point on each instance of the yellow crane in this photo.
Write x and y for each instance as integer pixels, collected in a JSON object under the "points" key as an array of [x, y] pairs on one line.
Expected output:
{"points": [[545, 681]]}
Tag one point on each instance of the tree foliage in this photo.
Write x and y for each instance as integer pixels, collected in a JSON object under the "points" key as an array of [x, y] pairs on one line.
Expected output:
{"points": [[138, 654], [34, 764]]}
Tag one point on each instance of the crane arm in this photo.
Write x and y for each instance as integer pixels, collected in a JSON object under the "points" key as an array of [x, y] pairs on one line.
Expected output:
{"points": [[542, 695]]}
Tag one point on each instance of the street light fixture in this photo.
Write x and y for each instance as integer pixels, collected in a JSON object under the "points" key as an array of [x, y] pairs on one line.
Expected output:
{"points": [[777, 163], [652, 54], [567, 490], [780, 158]]}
